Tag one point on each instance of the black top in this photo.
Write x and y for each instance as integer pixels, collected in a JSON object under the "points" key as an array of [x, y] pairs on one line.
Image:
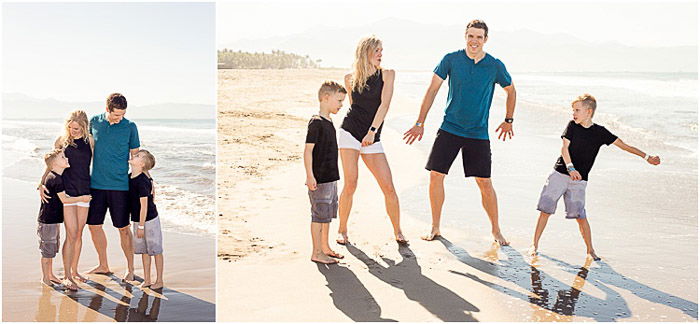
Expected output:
{"points": [[325, 153], [141, 186], [52, 212], [77, 177], [364, 106], [584, 146]]}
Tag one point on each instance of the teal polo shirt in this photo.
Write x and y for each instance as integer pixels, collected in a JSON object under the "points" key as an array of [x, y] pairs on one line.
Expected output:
{"points": [[110, 162], [470, 92]]}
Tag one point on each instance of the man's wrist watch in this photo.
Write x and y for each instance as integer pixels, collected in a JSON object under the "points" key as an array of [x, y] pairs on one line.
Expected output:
{"points": [[509, 120]]}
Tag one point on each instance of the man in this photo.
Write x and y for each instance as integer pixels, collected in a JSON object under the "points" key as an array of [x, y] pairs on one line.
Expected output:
{"points": [[472, 77]]}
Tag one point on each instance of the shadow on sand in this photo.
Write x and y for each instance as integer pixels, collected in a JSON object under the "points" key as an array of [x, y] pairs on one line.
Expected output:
{"points": [[406, 275], [134, 304], [569, 300]]}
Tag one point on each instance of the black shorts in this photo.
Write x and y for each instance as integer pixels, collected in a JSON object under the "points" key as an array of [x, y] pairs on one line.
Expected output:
{"points": [[476, 154], [118, 203]]}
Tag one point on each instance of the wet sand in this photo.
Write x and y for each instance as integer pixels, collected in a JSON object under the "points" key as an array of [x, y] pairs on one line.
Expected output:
{"points": [[264, 272], [189, 293]]}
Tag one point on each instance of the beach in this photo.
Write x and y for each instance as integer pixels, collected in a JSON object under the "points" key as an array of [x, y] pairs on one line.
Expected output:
{"points": [[644, 221]]}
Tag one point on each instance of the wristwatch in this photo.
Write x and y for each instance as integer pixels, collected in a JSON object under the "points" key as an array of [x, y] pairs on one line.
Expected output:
{"points": [[372, 129], [509, 120]]}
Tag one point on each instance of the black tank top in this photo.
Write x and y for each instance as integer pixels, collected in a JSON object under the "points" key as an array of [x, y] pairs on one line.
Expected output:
{"points": [[77, 178], [364, 106]]}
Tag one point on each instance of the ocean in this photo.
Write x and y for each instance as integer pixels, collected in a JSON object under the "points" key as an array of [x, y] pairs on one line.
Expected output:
{"points": [[185, 171]]}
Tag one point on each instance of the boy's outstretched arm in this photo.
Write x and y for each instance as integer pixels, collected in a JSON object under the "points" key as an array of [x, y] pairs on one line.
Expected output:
{"points": [[654, 160], [308, 160], [575, 175]]}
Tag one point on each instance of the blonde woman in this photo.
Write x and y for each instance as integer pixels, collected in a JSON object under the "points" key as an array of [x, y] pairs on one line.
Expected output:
{"points": [[370, 88], [77, 144]]}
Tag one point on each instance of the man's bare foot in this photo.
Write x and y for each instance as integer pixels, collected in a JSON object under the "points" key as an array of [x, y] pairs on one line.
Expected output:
{"points": [[401, 239], [342, 238], [157, 285], [128, 276], [79, 277], [594, 256], [333, 254], [70, 284], [322, 258], [145, 283], [532, 251], [103, 270], [434, 233], [500, 239]]}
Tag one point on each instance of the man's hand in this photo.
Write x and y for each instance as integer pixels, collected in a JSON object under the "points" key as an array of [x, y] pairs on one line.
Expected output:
{"points": [[575, 175], [311, 183], [368, 139], [506, 129], [140, 232], [43, 194], [654, 160], [413, 133]]}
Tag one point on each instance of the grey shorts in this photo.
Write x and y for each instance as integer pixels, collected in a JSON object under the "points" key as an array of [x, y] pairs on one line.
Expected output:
{"points": [[574, 193], [49, 239], [152, 241], [324, 202]]}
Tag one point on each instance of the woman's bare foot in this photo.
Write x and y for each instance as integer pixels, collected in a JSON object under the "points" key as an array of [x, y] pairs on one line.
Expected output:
{"points": [[79, 277], [342, 238], [594, 256], [434, 233], [100, 270], [400, 238], [70, 284], [157, 285], [128, 276], [333, 254], [498, 237], [322, 258], [532, 251], [145, 284]]}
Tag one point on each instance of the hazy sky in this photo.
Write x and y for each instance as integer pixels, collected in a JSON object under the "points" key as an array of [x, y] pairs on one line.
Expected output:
{"points": [[630, 23], [151, 52]]}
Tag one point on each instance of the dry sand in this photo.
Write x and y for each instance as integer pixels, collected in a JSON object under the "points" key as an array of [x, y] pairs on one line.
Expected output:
{"points": [[189, 293], [264, 272]]}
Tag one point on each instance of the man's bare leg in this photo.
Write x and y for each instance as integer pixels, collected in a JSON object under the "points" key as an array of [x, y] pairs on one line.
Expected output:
{"points": [[436, 192], [99, 239], [541, 223], [586, 233], [125, 236], [490, 203]]}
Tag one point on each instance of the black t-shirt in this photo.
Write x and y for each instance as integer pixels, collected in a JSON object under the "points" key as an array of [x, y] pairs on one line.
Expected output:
{"points": [[77, 177], [141, 186], [321, 132], [584, 146], [364, 107], [52, 212]]}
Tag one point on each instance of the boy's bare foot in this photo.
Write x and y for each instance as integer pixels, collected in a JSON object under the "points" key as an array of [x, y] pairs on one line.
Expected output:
{"points": [[324, 259], [434, 233], [54, 279], [79, 277], [532, 251], [70, 284], [400, 239], [47, 282], [594, 256], [100, 270], [157, 285], [498, 237], [342, 238], [128, 276], [145, 284], [333, 254]]}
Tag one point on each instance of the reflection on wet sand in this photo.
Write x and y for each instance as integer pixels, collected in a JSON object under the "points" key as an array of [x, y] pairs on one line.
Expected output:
{"points": [[569, 301], [124, 302]]}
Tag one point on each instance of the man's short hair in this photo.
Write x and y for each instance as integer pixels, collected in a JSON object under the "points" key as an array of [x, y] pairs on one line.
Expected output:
{"points": [[116, 101], [587, 100], [330, 87], [476, 23], [149, 160]]}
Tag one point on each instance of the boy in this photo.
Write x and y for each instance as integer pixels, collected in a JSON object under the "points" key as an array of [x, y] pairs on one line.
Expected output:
{"points": [[321, 163], [582, 140], [51, 216], [148, 240]]}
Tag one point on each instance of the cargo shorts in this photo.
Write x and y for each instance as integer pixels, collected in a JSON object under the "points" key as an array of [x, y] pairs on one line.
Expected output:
{"points": [[574, 193]]}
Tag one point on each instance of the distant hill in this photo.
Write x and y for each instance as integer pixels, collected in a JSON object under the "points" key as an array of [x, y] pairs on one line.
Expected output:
{"points": [[20, 106], [230, 59], [418, 46]]}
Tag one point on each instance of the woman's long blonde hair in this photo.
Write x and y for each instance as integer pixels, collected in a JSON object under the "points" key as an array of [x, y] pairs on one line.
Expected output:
{"points": [[79, 117], [362, 68]]}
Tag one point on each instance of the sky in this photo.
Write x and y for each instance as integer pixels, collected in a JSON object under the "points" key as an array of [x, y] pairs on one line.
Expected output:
{"points": [[637, 23], [153, 53]]}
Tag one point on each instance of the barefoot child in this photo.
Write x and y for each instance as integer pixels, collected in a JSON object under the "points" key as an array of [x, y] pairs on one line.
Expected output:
{"points": [[148, 238], [321, 163], [582, 140], [51, 216]]}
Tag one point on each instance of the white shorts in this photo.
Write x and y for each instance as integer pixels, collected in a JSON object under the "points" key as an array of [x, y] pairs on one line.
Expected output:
{"points": [[346, 141], [79, 204]]}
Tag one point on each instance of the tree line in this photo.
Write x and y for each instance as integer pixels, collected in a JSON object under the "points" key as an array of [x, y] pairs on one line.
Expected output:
{"points": [[230, 59]]}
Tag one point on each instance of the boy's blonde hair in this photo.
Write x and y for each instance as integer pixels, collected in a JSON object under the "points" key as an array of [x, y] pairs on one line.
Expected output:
{"points": [[330, 87], [588, 101], [361, 67], [79, 117], [149, 160], [51, 156]]}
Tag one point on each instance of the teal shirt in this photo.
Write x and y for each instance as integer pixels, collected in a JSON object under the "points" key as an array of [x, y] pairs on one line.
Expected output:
{"points": [[470, 92], [110, 163]]}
